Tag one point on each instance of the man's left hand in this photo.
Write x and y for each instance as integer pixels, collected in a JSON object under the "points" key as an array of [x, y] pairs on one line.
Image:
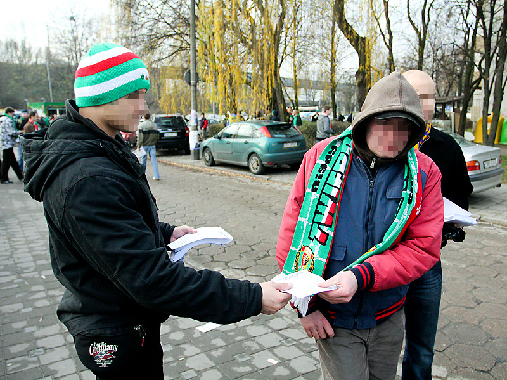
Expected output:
{"points": [[180, 231], [347, 287]]}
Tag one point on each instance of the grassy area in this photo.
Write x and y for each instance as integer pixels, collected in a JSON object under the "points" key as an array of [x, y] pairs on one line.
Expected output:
{"points": [[504, 164]]}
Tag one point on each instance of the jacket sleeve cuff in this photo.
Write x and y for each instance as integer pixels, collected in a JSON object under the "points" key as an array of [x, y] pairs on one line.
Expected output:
{"points": [[365, 276]]}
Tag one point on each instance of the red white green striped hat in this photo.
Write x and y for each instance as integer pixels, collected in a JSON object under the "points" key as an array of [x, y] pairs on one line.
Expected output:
{"points": [[106, 73]]}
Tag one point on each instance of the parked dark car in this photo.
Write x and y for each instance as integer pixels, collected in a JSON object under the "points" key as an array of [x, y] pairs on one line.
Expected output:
{"points": [[173, 131], [256, 144]]}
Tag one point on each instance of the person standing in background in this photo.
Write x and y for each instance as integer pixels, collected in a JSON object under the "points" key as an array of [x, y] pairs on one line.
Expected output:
{"points": [[422, 307], [8, 136], [324, 125], [148, 139]]}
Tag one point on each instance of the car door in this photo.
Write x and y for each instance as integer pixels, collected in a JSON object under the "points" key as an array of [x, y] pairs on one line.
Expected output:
{"points": [[223, 147], [242, 142]]}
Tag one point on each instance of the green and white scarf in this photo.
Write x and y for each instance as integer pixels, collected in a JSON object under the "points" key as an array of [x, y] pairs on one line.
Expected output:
{"points": [[313, 236]]}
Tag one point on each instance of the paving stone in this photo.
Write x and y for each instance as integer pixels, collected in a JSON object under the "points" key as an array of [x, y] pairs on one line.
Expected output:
{"points": [[470, 342], [304, 364], [212, 374], [54, 355], [199, 362], [235, 369], [478, 358]]}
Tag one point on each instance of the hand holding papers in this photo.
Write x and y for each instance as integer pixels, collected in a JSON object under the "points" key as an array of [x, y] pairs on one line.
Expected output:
{"points": [[140, 152], [204, 235], [304, 286], [455, 214]]}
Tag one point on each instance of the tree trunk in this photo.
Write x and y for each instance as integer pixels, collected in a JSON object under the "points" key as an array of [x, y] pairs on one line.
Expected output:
{"points": [[468, 86], [499, 70], [333, 62], [487, 29], [294, 63], [359, 43]]}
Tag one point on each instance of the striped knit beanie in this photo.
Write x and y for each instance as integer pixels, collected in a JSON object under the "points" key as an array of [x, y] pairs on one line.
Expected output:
{"points": [[106, 73]]}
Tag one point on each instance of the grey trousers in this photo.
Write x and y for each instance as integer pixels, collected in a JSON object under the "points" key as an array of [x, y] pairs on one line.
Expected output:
{"points": [[369, 354]]}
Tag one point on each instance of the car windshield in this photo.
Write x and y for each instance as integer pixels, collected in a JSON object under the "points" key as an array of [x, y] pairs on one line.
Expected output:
{"points": [[282, 130], [169, 121]]}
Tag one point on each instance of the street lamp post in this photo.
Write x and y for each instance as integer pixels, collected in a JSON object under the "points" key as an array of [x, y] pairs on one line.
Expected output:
{"points": [[47, 67]]}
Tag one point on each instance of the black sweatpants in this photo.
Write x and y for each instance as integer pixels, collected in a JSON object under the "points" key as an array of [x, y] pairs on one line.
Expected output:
{"points": [[122, 353], [8, 161]]}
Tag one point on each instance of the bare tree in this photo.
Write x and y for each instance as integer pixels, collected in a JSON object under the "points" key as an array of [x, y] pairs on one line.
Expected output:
{"points": [[499, 87], [470, 84], [492, 42], [387, 35], [422, 30], [363, 50]]}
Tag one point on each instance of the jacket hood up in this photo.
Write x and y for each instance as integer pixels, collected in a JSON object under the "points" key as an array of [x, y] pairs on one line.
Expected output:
{"points": [[70, 138], [391, 93]]}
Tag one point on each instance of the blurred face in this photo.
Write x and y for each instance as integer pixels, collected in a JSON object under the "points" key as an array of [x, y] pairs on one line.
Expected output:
{"points": [[35, 117], [425, 88], [387, 138], [124, 113]]}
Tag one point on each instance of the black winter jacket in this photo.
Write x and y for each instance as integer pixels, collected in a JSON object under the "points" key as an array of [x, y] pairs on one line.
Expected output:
{"points": [[107, 247], [448, 156]]}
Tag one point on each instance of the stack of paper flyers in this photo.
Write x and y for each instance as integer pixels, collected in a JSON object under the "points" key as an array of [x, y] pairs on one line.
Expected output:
{"points": [[304, 287], [204, 235]]}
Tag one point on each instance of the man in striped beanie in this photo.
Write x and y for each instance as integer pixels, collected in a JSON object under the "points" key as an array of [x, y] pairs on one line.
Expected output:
{"points": [[110, 85], [107, 246]]}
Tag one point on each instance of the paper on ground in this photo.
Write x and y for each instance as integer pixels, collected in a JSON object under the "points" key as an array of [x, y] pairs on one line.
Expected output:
{"points": [[304, 286], [455, 214], [208, 327], [204, 235]]}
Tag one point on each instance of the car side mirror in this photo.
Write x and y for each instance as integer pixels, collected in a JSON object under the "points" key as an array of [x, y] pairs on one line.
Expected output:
{"points": [[218, 136]]}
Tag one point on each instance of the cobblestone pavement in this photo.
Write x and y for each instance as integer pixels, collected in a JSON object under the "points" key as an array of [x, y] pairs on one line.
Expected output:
{"points": [[472, 337]]}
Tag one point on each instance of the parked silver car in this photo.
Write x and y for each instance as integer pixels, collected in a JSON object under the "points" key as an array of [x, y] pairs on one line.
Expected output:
{"points": [[484, 163]]}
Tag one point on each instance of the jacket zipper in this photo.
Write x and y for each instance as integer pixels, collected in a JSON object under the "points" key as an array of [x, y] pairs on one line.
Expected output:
{"points": [[371, 183]]}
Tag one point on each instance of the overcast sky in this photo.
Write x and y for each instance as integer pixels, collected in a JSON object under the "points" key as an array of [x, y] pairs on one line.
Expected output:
{"points": [[30, 17]]}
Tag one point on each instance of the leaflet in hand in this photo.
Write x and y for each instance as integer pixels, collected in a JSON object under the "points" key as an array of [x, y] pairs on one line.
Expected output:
{"points": [[204, 235], [455, 214], [304, 286]]}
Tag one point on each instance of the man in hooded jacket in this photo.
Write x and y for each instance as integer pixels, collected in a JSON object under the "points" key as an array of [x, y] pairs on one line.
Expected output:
{"points": [[359, 327], [107, 246]]}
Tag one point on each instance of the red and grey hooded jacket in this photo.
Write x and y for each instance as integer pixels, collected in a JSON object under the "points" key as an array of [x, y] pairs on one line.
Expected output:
{"points": [[367, 209]]}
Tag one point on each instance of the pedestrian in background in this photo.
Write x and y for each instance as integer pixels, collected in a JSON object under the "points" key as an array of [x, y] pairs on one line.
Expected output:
{"points": [[364, 193], [324, 125], [147, 139], [107, 246], [203, 126], [30, 126], [8, 136], [296, 119], [422, 306], [289, 114]]}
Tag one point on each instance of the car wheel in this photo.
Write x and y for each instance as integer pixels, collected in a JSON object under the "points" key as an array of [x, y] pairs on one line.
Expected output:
{"points": [[295, 166], [208, 157], [255, 164], [187, 150]]}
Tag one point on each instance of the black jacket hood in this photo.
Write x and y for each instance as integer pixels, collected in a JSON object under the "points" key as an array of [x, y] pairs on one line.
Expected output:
{"points": [[68, 139]]}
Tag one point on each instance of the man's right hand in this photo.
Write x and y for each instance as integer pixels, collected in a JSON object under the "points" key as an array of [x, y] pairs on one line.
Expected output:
{"points": [[317, 326], [272, 297]]}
